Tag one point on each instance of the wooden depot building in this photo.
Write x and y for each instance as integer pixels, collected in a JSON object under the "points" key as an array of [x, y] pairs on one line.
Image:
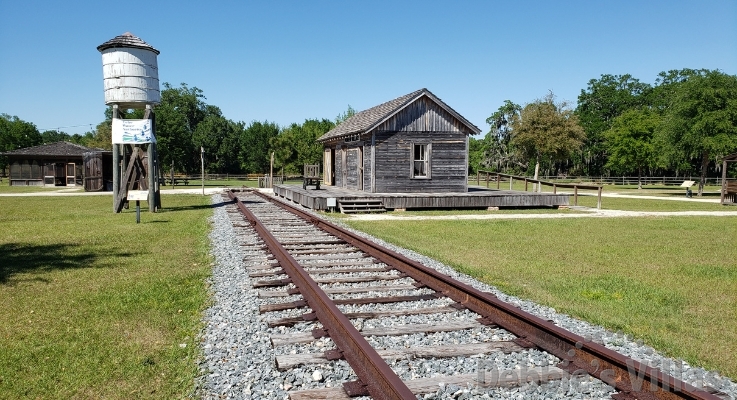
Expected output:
{"points": [[60, 164], [414, 143], [407, 153]]}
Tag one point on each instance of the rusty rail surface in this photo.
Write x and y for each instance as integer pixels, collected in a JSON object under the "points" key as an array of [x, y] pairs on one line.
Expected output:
{"points": [[633, 379], [375, 376]]}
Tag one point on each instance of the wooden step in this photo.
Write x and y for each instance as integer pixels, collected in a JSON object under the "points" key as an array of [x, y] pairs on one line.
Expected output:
{"points": [[353, 206]]}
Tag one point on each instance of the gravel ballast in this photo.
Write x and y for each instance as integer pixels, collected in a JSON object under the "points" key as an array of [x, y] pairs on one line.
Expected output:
{"points": [[238, 359]]}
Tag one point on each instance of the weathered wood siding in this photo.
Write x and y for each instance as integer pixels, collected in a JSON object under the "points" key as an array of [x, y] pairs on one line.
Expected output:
{"points": [[386, 153], [426, 122], [317, 199], [353, 164], [448, 171], [367, 167], [338, 178], [423, 115]]}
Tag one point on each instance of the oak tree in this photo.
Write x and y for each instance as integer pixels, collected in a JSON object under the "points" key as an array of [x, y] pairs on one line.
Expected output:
{"points": [[545, 129], [700, 123], [629, 141]]}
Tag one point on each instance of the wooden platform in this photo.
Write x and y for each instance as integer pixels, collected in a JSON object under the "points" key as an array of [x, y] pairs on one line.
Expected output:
{"points": [[476, 197]]}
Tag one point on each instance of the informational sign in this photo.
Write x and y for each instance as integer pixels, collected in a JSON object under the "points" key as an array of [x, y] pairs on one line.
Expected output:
{"points": [[137, 195], [132, 131]]}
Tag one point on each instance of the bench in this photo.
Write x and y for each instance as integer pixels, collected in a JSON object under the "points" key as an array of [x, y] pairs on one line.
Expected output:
{"points": [[311, 181], [311, 176]]}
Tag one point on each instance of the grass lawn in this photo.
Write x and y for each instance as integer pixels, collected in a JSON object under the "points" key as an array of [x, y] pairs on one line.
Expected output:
{"points": [[630, 204], [670, 281], [97, 306]]}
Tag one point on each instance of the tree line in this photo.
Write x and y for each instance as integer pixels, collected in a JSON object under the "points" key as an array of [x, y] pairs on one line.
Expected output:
{"points": [[683, 124], [184, 124]]}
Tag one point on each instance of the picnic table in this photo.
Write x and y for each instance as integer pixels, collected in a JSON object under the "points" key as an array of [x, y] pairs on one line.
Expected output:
{"points": [[175, 181]]}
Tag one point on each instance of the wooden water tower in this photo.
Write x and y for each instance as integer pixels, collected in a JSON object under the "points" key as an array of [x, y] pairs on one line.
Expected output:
{"points": [[131, 81]]}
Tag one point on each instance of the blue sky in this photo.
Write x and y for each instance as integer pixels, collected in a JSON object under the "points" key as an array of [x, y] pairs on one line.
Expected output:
{"points": [[286, 61]]}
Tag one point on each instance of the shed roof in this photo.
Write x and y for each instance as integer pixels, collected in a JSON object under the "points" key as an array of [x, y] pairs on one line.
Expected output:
{"points": [[731, 157], [52, 149], [127, 40], [367, 120]]}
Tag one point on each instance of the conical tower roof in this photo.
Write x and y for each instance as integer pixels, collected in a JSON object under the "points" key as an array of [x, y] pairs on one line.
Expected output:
{"points": [[127, 40]]}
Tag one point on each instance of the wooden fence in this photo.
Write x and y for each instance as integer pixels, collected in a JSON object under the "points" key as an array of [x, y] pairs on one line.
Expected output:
{"points": [[630, 180], [249, 177], [575, 186]]}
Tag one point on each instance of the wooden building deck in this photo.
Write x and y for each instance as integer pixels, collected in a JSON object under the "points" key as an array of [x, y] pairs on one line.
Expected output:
{"points": [[476, 197]]}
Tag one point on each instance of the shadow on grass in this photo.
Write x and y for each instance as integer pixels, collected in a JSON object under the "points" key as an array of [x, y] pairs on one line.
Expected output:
{"points": [[197, 207], [17, 258]]}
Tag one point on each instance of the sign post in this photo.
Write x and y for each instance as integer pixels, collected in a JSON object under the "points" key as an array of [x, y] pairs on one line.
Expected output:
{"points": [[138, 195]]}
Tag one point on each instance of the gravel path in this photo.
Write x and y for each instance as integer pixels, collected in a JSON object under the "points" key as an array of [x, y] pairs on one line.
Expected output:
{"points": [[239, 359]]}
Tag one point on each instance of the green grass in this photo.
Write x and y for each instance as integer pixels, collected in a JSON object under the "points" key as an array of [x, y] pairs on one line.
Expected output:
{"points": [[671, 282], [630, 204], [95, 305]]}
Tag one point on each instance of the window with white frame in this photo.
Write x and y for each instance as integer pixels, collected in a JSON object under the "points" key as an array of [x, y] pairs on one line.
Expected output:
{"points": [[421, 160]]}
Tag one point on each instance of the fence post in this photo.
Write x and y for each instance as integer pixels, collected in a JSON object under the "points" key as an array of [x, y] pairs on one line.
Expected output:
{"points": [[510, 183], [498, 179], [598, 204], [487, 179], [525, 184], [555, 191], [575, 195], [478, 177]]}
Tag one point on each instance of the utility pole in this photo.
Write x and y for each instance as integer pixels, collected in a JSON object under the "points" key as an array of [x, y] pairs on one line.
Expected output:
{"points": [[271, 172], [202, 160]]}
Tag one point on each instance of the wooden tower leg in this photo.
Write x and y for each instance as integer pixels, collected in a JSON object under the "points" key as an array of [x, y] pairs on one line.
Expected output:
{"points": [[151, 169], [157, 175], [116, 165]]}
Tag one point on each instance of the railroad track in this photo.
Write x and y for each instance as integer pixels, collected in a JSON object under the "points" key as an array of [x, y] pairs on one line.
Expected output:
{"points": [[336, 298]]}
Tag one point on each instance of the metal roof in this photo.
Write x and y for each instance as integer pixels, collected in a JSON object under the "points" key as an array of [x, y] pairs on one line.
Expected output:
{"points": [[366, 120], [127, 40], [52, 149]]}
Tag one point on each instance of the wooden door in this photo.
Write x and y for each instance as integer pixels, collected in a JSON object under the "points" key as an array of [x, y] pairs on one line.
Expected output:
{"points": [[327, 166], [70, 179], [354, 160]]}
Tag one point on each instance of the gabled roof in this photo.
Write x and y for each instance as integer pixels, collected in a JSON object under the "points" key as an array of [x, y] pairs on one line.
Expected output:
{"points": [[731, 157], [128, 40], [367, 120], [52, 149]]}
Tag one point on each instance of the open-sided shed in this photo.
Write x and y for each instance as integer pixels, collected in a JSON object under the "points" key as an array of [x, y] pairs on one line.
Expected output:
{"points": [[729, 186], [414, 143], [57, 164]]}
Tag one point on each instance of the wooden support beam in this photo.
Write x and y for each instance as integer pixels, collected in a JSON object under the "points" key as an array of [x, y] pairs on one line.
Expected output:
{"points": [[116, 165], [288, 321], [294, 338], [509, 378], [287, 361]]}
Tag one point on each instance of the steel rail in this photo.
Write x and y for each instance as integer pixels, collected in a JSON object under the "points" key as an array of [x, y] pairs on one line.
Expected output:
{"points": [[631, 378], [373, 372]]}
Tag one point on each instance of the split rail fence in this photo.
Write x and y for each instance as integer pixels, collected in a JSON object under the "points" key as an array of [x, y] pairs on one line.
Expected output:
{"points": [[575, 186]]}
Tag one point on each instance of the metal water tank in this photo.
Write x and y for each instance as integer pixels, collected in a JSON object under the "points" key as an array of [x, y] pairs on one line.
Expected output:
{"points": [[130, 72]]}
